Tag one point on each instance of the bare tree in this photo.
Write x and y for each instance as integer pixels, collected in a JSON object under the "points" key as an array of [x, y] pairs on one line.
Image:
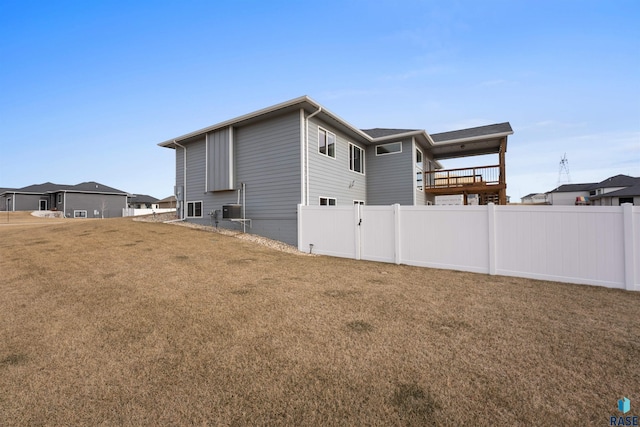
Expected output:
{"points": [[103, 207]]}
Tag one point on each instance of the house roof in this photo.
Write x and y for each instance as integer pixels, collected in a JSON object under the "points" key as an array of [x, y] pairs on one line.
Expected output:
{"points": [[614, 181], [617, 181], [143, 198], [478, 140], [37, 188], [303, 102], [631, 191], [91, 187], [472, 133], [49, 187], [167, 199], [470, 142], [570, 188], [533, 195]]}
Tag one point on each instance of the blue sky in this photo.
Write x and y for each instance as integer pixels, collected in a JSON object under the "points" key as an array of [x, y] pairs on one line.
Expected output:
{"points": [[88, 88]]}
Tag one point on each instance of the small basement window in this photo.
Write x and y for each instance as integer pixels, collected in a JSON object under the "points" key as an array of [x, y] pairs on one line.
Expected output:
{"points": [[79, 214], [391, 148], [327, 201], [194, 209]]}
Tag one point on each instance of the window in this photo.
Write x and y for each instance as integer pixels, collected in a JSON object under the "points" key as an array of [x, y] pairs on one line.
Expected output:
{"points": [[419, 170], [622, 200], [327, 201], [356, 159], [326, 143], [79, 214], [194, 209], [392, 148], [59, 198]]}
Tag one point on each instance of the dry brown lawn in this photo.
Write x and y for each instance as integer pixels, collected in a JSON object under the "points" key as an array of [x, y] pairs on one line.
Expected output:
{"points": [[115, 322]]}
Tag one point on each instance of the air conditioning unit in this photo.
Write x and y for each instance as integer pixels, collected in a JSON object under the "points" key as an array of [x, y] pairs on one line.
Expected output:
{"points": [[232, 211]]}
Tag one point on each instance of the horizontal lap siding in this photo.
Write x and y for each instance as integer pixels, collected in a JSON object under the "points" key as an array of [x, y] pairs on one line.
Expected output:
{"points": [[109, 205], [26, 202], [267, 161], [331, 177], [390, 177]]}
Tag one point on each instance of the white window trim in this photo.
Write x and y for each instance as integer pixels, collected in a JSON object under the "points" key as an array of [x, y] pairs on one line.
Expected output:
{"points": [[201, 209], [328, 198], [424, 175], [362, 156], [389, 143], [335, 143], [75, 214]]}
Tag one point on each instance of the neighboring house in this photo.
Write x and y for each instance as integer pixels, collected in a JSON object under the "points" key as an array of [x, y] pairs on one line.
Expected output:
{"points": [[85, 200], [616, 190], [568, 194], [602, 193], [256, 169], [612, 191], [143, 201], [167, 203], [534, 199]]}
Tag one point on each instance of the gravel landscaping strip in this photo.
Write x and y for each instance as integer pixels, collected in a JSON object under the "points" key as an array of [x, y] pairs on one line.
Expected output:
{"points": [[170, 218]]}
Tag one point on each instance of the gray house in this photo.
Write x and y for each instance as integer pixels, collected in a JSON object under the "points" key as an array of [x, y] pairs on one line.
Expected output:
{"points": [[612, 191], [85, 200], [252, 171]]}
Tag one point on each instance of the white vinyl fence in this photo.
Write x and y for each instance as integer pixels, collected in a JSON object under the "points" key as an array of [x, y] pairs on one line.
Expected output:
{"points": [[138, 212], [576, 244]]}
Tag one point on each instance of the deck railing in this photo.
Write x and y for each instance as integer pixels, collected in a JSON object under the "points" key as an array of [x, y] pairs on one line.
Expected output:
{"points": [[479, 175]]}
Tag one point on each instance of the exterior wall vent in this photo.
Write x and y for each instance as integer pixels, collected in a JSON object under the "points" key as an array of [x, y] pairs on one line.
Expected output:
{"points": [[232, 211]]}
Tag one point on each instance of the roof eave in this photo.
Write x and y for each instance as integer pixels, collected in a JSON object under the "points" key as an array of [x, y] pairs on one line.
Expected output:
{"points": [[474, 138], [310, 103], [400, 136]]}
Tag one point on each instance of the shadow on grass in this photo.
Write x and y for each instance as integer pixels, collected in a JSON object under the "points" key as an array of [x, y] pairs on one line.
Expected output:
{"points": [[416, 405]]}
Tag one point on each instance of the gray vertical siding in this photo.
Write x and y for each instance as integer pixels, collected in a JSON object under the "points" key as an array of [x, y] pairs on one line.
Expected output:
{"points": [[331, 177], [220, 161], [390, 178], [267, 160]]}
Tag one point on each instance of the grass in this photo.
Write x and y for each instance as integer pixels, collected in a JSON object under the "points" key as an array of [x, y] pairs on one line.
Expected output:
{"points": [[115, 322]]}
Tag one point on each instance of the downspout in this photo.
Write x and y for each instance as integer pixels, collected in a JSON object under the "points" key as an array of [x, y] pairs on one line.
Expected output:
{"points": [[244, 201], [306, 169], [184, 180]]}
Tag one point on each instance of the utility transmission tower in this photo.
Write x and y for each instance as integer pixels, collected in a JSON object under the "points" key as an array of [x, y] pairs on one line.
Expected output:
{"points": [[563, 172]]}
